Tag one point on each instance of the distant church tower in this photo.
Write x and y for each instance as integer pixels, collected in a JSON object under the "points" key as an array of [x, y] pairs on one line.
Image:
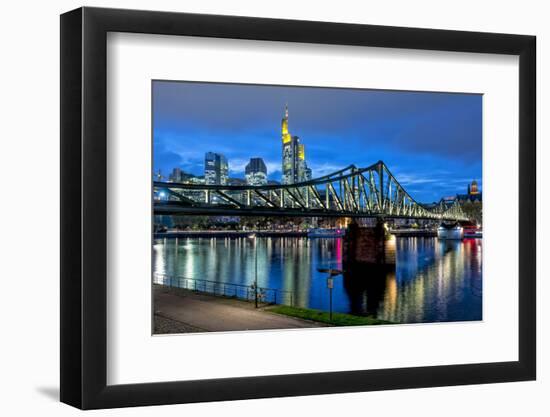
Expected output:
{"points": [[472, 189]]}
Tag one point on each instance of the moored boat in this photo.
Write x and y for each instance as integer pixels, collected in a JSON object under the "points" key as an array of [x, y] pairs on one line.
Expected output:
{"points": [[473, 233], [450, 231], [318, 232]]}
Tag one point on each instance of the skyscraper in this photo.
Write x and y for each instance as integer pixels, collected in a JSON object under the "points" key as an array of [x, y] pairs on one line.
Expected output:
{"points": [[256, 172], [224, 170], [215, 168], [177, 175], [295, 167]]}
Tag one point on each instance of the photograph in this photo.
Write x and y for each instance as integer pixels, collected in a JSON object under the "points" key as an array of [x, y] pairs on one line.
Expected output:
{"points": [[286, 207]]}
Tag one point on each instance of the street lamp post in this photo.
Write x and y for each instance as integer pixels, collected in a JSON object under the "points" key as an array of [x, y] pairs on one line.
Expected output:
{"points": [[253, 238], [330, 284]]}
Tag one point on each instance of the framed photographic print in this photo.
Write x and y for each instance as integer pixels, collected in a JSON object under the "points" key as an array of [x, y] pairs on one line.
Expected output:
{"points": [[258, 208]]}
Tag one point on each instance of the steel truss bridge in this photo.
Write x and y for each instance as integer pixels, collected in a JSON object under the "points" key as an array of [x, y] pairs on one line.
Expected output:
{"points": [[371, 192]]}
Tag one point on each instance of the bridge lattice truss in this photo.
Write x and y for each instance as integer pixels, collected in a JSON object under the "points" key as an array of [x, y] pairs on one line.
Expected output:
{"points": [[350, 192]]}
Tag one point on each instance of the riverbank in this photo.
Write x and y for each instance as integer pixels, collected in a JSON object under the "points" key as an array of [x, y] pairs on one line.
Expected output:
{"points": [[165, 325], [274, 233], [183, 311], [229, 233], [180, 310], [413, 233], [338, 319]]}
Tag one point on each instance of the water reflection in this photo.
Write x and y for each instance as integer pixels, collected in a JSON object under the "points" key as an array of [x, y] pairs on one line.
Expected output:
{"points": [[433, 280]]}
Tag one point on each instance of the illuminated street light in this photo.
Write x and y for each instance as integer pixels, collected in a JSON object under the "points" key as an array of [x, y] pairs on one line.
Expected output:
{"points": [[253, 238]]}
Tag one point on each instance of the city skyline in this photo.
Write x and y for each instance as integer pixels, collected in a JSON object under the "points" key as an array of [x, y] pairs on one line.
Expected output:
{"points": [[189, 122]]}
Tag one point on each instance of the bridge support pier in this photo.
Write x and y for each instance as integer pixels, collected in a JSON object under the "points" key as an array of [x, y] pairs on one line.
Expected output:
{"points": [[371, 247]]}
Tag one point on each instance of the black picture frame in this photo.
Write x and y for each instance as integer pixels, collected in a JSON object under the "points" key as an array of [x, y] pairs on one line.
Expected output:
{"points": [[84, 207]]}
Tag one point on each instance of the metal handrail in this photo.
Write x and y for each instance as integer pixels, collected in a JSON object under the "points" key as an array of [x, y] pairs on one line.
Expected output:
{"points": [[226, 289]]}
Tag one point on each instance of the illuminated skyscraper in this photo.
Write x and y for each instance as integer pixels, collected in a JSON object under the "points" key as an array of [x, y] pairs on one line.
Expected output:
{"points": [[294, 156], [215, 168], [256, 172]]}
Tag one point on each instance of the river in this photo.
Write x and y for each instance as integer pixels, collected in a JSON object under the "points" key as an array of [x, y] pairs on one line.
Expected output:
{"points": [[434, 280]]}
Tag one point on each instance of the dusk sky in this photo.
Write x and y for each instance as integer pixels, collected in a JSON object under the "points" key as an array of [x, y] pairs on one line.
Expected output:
{"points": [[432, 142]]}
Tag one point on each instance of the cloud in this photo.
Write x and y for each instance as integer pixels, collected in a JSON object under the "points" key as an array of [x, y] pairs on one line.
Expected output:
{"points": [[413, 180], [322, 169], [430, 141]]}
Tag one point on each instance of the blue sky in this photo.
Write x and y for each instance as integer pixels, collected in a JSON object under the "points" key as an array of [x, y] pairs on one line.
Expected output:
{"points": [[432, 142]]}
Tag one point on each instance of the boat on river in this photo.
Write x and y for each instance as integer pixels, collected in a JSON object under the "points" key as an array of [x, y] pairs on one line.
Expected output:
{"points": [[450, 231], [473, 233], [319, 232]]}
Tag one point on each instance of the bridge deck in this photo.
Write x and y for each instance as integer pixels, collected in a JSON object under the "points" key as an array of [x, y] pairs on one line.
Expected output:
{"points": [[174, 209]]}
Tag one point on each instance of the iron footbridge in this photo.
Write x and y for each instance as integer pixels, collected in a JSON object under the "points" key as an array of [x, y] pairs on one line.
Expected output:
{"points": [[371, 192]]}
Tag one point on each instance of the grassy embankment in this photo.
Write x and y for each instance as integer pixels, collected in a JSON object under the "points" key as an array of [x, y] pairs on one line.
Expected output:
{"points": [[338, 319]]}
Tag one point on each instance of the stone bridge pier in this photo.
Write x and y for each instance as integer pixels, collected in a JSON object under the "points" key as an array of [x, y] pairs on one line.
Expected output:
{"points": [[368, 247]]}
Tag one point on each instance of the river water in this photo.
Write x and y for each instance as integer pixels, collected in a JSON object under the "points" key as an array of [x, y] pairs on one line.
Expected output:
{"points": [[433, 281]]}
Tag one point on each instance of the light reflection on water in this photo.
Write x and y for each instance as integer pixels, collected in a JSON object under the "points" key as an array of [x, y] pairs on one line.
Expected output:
{"points": [[433, 281]]}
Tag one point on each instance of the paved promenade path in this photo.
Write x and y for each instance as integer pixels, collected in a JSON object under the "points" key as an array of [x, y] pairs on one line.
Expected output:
{"points": [[202, 312]]}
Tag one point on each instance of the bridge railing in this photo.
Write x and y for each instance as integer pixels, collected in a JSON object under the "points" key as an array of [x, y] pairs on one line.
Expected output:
{"points": [[226, 289]]}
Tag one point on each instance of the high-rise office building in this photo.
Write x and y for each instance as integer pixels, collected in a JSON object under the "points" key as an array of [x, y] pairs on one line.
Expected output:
{"points": [[256, 172], [295, 167], [177, 175], [307, 174], [215, 168]]}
